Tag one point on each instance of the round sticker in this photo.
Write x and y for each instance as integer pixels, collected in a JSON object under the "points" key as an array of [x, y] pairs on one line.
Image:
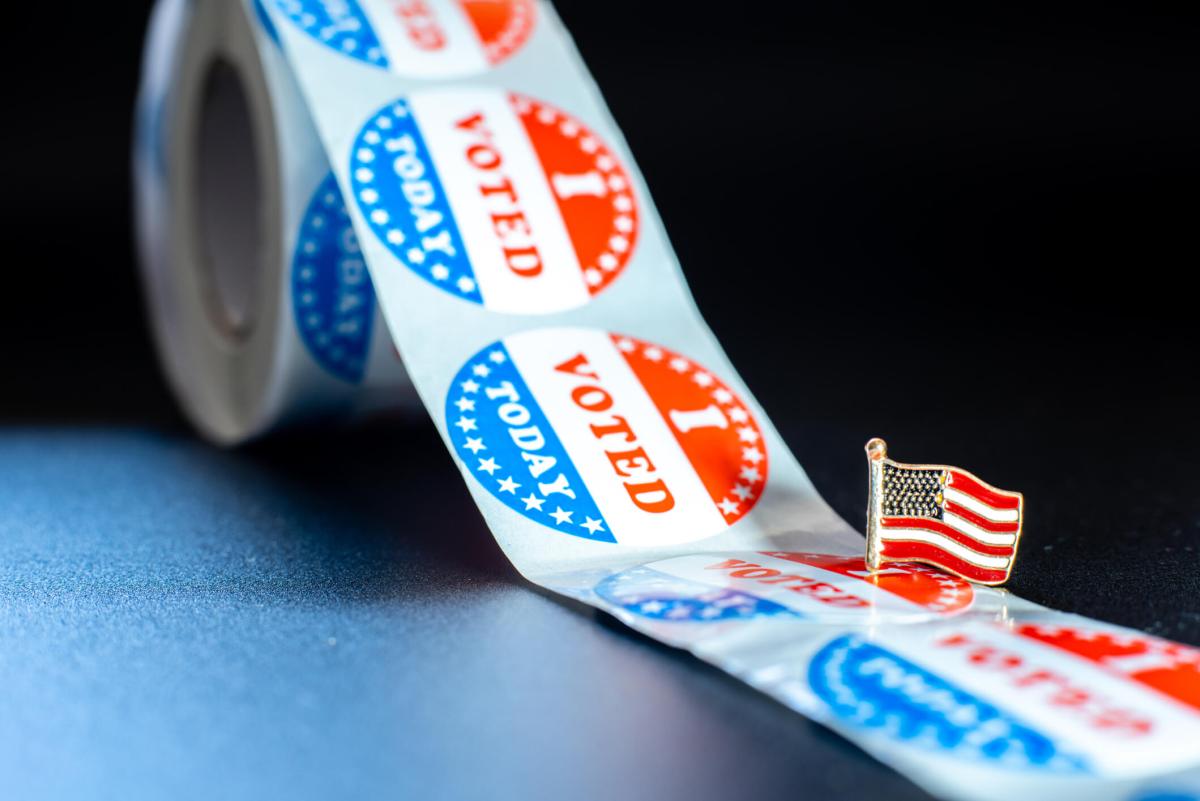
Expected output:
{"points": [[418, 38], [873, 688], [1022, 696], [495, 198], [1164, 666], [332, 295], [606, 437], [716, 587]]}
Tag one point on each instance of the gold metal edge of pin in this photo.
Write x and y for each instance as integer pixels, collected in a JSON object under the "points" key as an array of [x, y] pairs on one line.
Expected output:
{"points": [[876, 450]]}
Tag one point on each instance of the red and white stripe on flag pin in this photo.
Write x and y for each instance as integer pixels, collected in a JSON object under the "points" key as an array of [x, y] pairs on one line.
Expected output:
{"points": [[942, 516]]}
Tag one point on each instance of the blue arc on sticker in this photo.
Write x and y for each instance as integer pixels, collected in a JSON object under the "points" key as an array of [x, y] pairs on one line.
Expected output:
{"points": [[332, 295], [341, 25], [656, 595], [872, 688], [503, 437], [405, 203]]}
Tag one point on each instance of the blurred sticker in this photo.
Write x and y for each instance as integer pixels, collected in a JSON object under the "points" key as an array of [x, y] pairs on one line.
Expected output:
{"points": [[332, 295], [873, 688], [1122, 705], [819, 587], [418, 38]]}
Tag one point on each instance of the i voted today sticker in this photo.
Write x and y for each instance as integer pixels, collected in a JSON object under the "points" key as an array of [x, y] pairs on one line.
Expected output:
{"points": [[332, 296], [739, 586], [495, 198], [1020, 696], [417, 38], [606, 437]]}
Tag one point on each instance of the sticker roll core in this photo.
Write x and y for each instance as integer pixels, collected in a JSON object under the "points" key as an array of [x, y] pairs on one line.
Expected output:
{"points": [[261, 303], [364, 205]]}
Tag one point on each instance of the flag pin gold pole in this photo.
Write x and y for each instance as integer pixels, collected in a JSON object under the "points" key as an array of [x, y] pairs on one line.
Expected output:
{"points": [[876, 453]]}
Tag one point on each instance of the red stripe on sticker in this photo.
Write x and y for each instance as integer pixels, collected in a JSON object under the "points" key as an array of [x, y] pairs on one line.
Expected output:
{"points": [[921, 585], [717, 433], [1167, 667], [502, 27], [592, 190]]}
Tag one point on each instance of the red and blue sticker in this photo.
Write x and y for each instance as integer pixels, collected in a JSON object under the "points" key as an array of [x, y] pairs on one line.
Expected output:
{"points": [[417, 38], [495, 198], [711, 588], [1020, 696], [333, 299], [606, 437]]}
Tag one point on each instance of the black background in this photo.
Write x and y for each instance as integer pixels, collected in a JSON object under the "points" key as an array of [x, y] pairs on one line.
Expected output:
{"points": [[969, 231]]}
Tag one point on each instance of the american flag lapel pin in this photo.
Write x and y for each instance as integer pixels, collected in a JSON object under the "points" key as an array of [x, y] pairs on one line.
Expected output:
{"points": [[942, 516]]}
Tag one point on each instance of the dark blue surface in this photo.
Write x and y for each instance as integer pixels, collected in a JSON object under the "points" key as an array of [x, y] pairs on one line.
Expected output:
{"points": [[328, 617]]}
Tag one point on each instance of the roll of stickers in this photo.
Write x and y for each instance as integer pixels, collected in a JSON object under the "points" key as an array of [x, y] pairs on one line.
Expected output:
{"points": [[262, 306], [330, 189]]}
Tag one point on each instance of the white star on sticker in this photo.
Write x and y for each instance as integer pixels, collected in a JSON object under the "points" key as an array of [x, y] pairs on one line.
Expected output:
{"points": [[508, 485], [747, 434], [592, 525], [466, 424], [742, 491], [465, 405], [560, 516], [738, 415], [488, 465], [440, 272], [497, 356], [475, 444], [703, 379], [653, 354], [751, 474], [728, 507], [470, 386], [679, 365], [752, 455], [722, 395], [652, 607], [533, 502], [626, 345], [481, 370], [465, 284]]}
